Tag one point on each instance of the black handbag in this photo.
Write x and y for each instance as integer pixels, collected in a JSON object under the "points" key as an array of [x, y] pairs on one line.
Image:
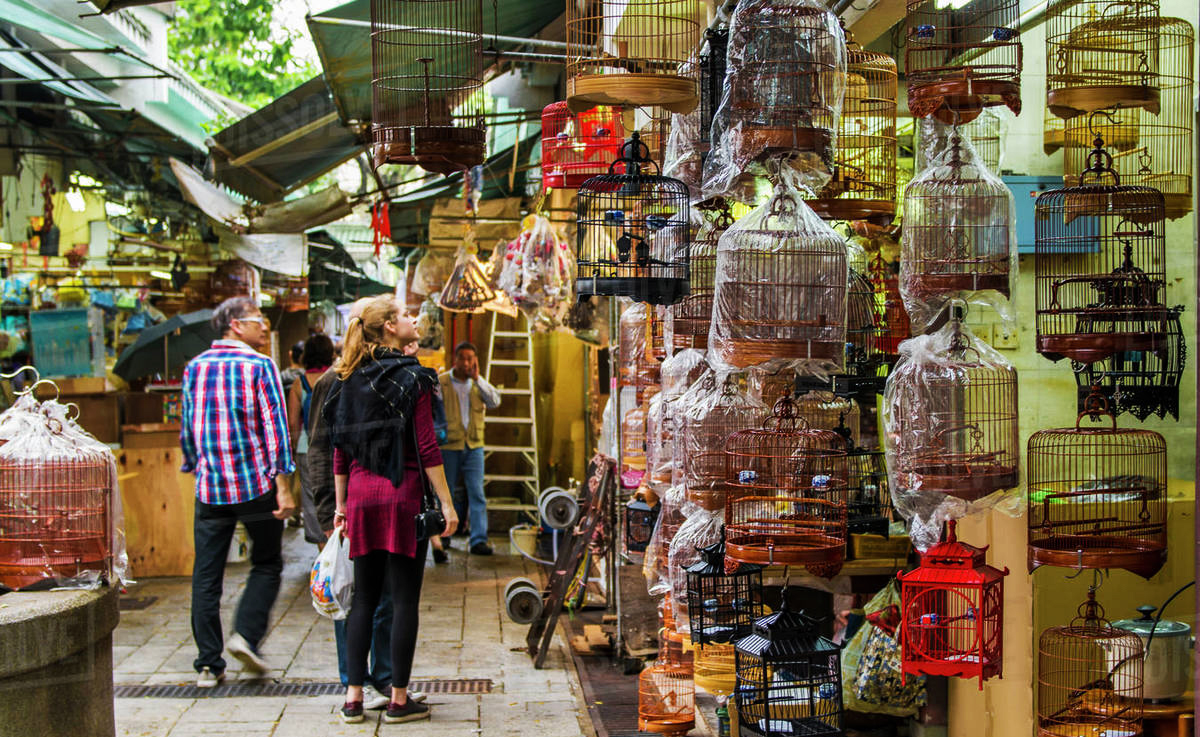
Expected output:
{"points": [[429, 521]]}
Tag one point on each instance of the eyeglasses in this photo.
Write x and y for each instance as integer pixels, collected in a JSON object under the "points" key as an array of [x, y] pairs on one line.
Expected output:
{"points": [[259, 319]]}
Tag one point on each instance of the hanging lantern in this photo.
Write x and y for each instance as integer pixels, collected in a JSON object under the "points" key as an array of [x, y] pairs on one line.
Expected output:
{"points": [[426, 83], [868, 504], [715, 411], [633, 237], [951, 612], [1101, 54], [722, 607], [1100, 267], [1141, 383], [961, 59], [789, 679], [1089, 677], [578, 146], [788, 494], [691, 318]]}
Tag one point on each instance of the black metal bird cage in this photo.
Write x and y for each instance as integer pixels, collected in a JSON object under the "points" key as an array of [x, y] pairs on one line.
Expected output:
{"points": [[722, 607], [1140, 383], [633, 235], [712, 79]]}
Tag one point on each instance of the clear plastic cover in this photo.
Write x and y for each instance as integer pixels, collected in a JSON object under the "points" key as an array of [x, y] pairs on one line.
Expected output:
{"points": [[670, 519], [700, 528], [663, 455], [684, 158], [537, 272], [716, 408]]}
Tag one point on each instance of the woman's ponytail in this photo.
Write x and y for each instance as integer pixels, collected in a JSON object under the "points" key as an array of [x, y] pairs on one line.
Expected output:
{"points": [[365, 333]]}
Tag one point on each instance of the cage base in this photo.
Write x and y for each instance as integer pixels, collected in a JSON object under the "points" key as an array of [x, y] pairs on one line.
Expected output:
{"points": [[655, 291], [438, 149], [22, 573], [802, 727], [569, 179], [1082, 728], [666, 726], [928, 285], [1085, 551], [966, 669], [676, 93], [963, 481], [878, 212], [961, 100], [1177, 204], [822, 555], [1068, 102], [1093, 347], [761, 142]]}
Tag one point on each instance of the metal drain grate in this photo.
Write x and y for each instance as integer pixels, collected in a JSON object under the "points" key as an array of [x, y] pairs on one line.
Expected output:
{"points": [[462, 686], [135, 603]]}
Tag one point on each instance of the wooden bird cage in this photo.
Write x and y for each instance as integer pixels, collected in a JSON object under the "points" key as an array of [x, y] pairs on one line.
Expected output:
{"points": [[712, 80], [863, 186], [1089, 677], [640, 353], [1054, 132], [427, 83], [952, 612], [894, 325], [985, 134], [715, 668], [579, 146], [864, 326], [781, 285], [1101, 54], [1141, 383], [789, 679], [691, 317], [868, 503], [718, 409], [1149, 150], [959, 231], [824, 410], [787, 502], [655, 132], [633, 444], [1098, 495], [666, 699], [679, 373], [633, 231], [633, 53], [722, 606], [1100, 267], [960, 60]]}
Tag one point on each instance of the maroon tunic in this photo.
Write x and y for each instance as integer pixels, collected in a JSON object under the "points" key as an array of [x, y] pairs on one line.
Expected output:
{"points": [[380, 516]]}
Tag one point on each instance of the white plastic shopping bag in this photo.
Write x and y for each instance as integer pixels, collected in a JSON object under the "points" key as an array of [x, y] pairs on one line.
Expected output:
{"points": [[332, 578]]}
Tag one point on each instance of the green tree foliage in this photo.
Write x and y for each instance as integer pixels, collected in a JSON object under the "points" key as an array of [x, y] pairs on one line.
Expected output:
{"points": [[233, 48]]}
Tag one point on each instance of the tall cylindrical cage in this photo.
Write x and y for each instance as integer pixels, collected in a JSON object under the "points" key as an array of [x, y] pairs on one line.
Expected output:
{"points": [[894, 324], [691, 318], [1141, 383], [427, 83], [666, 699], [722, 606], [868, 503], [578, 146]]}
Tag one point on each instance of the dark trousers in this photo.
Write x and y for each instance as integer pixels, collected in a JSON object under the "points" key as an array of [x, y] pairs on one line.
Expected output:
{"points": [[214, 527], [379, 674], [404, 575]]}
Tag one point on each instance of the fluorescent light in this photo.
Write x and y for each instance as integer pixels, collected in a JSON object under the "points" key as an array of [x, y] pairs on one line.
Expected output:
{"points": [[6, 246], [75, 200], [161, 275]]}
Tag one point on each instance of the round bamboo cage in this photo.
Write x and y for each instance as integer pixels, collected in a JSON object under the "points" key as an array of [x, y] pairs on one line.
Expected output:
{"points": [[666, 700], [714, 668]]}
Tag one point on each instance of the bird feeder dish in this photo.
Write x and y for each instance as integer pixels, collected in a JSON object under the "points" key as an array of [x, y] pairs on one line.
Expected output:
{"points": [[722, 606], [1140, 383], [578, 146]]}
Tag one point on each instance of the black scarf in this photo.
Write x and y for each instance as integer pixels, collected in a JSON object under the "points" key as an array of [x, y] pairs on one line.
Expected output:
{"points": [[369, 412]]}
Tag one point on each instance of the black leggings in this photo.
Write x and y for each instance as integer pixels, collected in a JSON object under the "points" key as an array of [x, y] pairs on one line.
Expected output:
{"points": [[404, 574]]}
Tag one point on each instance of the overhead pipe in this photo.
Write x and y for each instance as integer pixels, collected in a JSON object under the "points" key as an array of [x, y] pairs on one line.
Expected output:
{"points": [[511, 40]]}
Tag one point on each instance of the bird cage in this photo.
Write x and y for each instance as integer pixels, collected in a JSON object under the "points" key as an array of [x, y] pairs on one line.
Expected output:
{"points": [[950, 410], [712, 80], [863, 186], [666, 699], [1099, 265], [716, 409], [1101, 54], [640, 352], [789, 679], [781, 283], [1098, 495], [679, 372], [951, 612], [722, 606], [640, 519], [787, 501], [868, 504], [579, 146], [1151, 150], [655, 132], [468, 288], [633, 231], [959, 234], [824, 410], [1141, 383], [864, 356], [1089, 677], [714, 668], [984, 133], [1054, 131], [633, 53], [894, 325], [427, 83], [961, 58], [691, 317], [633, 444]]}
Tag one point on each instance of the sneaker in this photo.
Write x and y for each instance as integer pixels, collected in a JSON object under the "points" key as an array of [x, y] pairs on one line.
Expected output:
{"points": [[481, 549], [373, 699], [352, 712], [445, 543], [208, 679], [439, 556], [418, 696], [410, 712], [250, 660]]}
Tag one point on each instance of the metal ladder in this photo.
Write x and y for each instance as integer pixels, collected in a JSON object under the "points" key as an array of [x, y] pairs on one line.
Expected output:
{"points": [[523, 394]]}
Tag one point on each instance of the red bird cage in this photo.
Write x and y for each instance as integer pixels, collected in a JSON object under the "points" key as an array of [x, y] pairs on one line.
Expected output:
{"points": [[578, 146], [691, 318], [427, 83], [1141, 383], [1100, 267], [961, 59], [1089, 677], [1098, 495], [951, 613], [787, 501], [715, 411]]}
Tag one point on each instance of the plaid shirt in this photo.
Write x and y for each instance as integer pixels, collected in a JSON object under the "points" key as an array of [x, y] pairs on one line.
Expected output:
{"points": [[234, 435]]}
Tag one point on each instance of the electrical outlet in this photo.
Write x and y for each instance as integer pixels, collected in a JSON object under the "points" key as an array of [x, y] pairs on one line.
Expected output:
{"points": [[1006, 338], [983, 331]]}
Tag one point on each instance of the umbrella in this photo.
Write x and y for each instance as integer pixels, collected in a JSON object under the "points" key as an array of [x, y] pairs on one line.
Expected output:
{"points": [[167, 345]]}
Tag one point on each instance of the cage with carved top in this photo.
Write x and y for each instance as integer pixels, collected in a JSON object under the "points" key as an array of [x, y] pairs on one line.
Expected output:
{"points": [[722, 605], [579, 146]]}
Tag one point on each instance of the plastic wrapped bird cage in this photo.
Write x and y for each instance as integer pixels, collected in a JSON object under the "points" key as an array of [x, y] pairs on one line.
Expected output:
{"points": [[578, 146], [679, 372], [782, 274], [468, 288], [894, 325], [683, 157], [985, 134], [701, 529], [690, 320], [640, 353], [716, 408], [1140, 383]]}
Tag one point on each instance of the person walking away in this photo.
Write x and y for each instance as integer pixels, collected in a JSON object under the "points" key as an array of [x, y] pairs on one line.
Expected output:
{"points": [[317, 358], [295, 367], [381, 427], [234, 438], [467, 397]]}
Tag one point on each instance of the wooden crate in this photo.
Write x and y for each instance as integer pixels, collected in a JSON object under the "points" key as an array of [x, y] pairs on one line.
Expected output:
{"points": [[159, 505], [895, 547]]}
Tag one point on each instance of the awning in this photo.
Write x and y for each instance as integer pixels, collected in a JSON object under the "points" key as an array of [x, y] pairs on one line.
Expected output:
{"points": [[332, 273], [284, 145], [112, 6]]}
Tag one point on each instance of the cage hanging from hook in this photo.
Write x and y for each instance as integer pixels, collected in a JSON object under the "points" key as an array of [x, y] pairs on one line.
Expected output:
{"points": [[578, 146]]}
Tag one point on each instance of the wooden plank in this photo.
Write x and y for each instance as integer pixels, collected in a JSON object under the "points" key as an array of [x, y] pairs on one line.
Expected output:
{"points": [[159, 507]]}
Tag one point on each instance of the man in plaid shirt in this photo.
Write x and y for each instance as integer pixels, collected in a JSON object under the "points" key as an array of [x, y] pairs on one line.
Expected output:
{"points": [[235, 439]]}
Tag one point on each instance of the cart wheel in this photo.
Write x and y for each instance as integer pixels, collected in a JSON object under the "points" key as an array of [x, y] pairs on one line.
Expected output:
{"points": [[558, 508], [522, 600]]}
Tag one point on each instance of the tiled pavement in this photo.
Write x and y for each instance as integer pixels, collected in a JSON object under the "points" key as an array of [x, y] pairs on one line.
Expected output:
{"points": [[464, 634]]}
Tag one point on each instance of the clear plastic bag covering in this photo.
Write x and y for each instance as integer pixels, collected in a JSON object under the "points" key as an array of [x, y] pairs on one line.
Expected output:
{"points": [[431, 272], [670, 518], [959, 239], [716, 408], [684, 158], [537, 272], [784, 83], [664, 457], [950, 431], [700, 528], [781, 282], [608, 429], [984, 132]]}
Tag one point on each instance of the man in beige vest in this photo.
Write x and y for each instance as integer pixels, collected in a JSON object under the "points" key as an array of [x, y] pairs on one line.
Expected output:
{"points": [[467, 396]]}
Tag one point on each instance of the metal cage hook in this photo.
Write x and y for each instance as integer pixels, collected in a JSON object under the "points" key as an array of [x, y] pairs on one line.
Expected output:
{"points": [[37, 377]]}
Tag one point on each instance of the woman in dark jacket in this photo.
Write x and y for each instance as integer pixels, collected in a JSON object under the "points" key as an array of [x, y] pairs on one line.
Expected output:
{"points": [[380, 421]]}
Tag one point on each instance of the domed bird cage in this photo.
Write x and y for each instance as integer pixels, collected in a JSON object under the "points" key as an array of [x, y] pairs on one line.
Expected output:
{"points": [[863, 186], [1089, 677], [713, 60], [716, 410], [633, 53], [1098, 495], [633, 231], [864, 318], [948, 76], [959, 232], [951, 613], [666, 696], [787, 501], [781, 285], [894, 325], [1099, 265], [1141, 383], [714, 668], [868, 503], [789, 679], [655, 132], [1101, 54], [633, 441], [640, 353], [691, 318], [426, 83], [824, 410], [722, 607], [579, 146], [1150, 150]]}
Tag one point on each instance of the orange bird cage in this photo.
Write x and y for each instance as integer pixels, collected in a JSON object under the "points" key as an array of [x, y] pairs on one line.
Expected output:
{"points": [[691, 317], [666, 699], [578, 146], [1054, 132], [894, 325], [717, 410], [427, 83]]}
